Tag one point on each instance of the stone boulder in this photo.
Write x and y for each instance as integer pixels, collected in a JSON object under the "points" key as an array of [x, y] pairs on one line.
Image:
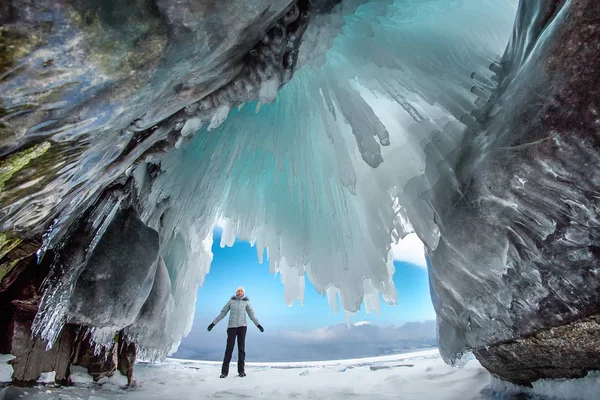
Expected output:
{"points": [[118, 276], [567, 351]]}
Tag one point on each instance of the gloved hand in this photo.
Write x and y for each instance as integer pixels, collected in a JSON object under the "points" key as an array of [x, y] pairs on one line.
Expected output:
{"points": [[210, 327], [260, 328]]}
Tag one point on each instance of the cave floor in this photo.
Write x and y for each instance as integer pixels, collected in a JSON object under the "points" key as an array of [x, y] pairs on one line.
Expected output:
{"points": [[418, 375]]}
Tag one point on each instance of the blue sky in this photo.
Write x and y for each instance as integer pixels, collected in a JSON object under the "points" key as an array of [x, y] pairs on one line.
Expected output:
{"points": [[238, 265]]}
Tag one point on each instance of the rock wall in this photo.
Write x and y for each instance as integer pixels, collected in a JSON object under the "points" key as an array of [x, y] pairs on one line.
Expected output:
{"points": [[20, 294], [517, 268]]}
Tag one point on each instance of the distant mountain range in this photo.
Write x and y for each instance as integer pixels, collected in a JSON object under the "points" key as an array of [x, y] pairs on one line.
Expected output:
{"points": [[333, 342]]}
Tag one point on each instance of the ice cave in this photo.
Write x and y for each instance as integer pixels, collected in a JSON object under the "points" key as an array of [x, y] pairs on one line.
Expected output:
{"points": [[321, 131]]}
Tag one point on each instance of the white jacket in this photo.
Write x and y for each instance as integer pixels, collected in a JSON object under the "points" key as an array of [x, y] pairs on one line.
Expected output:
{"points": [[238, 308]]}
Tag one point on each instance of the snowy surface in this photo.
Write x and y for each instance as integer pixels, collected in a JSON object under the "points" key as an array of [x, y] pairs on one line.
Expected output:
{"points": [[418, 375], [586, 388], [6, 370], [79, 375], [47, 377]]}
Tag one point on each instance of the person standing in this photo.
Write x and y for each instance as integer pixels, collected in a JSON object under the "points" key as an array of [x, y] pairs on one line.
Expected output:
{"points": [[238, 306]]}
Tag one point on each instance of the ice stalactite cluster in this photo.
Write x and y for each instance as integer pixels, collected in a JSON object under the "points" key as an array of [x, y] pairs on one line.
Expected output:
{"points": [[322, 170], [343, 161]]}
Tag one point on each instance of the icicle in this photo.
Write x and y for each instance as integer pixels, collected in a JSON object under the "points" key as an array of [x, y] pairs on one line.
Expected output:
{"points": [[372, 301], [332, 298], [219, 117], [106, 220], [192, 126]]}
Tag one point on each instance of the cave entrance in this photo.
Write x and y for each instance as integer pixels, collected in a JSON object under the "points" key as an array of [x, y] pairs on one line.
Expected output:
{"points": [[308, 330]]}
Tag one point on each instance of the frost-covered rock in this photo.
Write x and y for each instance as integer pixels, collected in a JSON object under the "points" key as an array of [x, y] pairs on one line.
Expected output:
{"points": [[118, 276], [149, 330], [519, 248]]}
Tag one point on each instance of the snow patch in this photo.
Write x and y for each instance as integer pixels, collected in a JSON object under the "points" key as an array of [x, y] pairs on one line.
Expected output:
{"points": [[80, 375], [6, 370], [47, 377], [113, 383], [267, 92], [564, 389], [411, 376]]}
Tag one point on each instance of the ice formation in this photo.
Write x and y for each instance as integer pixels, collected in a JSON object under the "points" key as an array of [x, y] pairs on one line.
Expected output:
{"points": [[299, 178], [368, 120]]}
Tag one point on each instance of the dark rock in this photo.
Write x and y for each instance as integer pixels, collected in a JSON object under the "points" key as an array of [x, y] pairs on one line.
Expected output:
{"points": [[119, 274], [19, 301], [16, 256], [126, 358], [31, 356], [11, 393], [568, 351]]}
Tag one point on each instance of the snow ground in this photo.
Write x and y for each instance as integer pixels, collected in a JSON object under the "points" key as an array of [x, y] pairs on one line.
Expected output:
{"points": [[420, 375], [5, 369]]}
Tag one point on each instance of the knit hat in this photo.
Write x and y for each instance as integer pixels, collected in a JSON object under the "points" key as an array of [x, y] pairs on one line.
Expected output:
{"points": [[241, 288]]}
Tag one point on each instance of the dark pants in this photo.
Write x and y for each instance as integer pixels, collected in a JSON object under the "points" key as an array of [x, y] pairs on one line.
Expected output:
{"points": [[232, 333]]}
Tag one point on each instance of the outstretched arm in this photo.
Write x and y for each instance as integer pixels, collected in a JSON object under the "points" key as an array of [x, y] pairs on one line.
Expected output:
{"points": [[224, 312], [250, 312]]}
